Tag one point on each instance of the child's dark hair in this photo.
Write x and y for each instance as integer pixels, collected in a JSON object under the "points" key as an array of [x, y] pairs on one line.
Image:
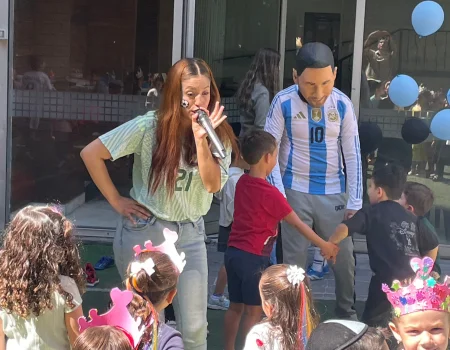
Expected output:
{"points": [[391, 178], [151, 290], [102, 338], [289, 302], [419, 196], [373, 339], [256, 144], [38, 248]]}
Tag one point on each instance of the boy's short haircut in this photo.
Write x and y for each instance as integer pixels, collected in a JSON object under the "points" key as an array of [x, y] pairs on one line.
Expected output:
{"points": [[391, 178], [419, 196], [256, 144]]}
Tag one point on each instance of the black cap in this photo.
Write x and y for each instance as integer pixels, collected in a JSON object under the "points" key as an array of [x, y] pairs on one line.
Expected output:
{"points": [[370, 137], [313, 55], [415, 131], [336, 335]]}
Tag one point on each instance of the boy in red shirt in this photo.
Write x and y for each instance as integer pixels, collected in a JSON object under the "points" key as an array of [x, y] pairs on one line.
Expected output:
{"points": [[258, 209]]}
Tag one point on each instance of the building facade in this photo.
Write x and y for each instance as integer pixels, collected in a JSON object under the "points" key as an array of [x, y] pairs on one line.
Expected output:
{"points": [[74, 69]]}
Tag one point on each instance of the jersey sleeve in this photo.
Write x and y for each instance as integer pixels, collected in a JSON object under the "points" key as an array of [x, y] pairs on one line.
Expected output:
{"points": [[352, 154], [127, 138], [275, 126]]}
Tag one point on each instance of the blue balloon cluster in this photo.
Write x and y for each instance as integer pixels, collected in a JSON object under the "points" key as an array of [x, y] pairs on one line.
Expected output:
{"points": [[427, 17], [403, 91]]}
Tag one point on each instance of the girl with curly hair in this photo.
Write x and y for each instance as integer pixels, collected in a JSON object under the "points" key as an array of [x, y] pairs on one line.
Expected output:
{"points": [[41, 278]]}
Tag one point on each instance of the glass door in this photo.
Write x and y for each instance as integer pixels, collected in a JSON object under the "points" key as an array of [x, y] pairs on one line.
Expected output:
{"points": [[80, 69]]}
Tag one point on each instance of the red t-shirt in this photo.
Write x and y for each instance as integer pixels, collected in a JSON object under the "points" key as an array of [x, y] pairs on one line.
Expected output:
{"points": [[258, 208]]}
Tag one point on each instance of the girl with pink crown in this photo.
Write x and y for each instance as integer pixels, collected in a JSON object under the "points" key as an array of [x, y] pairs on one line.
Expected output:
{"points": [[151, 282], [421, 309]]}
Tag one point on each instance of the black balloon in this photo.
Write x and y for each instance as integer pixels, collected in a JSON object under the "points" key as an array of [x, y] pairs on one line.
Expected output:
{"points": [[415, 131], [370, 136]]}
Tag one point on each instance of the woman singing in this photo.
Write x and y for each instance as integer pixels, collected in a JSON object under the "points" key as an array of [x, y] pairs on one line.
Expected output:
{"points": [[174, 178]]}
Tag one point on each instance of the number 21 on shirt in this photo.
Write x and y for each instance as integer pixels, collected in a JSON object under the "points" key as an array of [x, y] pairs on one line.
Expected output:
{"points": [[316, 134], [184, 180]]}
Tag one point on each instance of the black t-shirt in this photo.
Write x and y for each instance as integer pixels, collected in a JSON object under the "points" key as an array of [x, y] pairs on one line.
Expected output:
{"points": [[394, 236]]}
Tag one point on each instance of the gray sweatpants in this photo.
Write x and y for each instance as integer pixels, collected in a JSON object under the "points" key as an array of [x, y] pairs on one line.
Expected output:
{"points": [[324, 213]]}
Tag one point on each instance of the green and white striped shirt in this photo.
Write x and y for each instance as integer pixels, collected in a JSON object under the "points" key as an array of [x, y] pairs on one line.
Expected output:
{"points": [[190, 200]]}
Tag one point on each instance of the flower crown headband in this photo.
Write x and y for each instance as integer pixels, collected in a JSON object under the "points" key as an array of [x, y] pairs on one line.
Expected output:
{"points": [[424, 293]]}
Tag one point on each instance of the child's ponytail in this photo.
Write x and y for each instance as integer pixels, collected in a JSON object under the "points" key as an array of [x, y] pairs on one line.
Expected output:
{"points": [[285, 288], [152, 277]]}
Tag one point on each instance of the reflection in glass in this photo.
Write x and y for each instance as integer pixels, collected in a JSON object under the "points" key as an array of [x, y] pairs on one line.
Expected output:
{"points": [[80, 69], [392, 47]]}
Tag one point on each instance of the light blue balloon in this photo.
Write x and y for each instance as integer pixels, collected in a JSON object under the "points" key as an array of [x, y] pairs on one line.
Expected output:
{"points": [[427, 17], [403, 91], [448, 96], [440, 125]]}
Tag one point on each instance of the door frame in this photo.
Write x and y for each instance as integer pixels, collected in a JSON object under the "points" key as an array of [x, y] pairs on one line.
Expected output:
{"points": [[6, 35]]}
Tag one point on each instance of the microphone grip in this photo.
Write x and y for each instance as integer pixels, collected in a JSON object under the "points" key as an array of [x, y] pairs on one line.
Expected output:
{"points": [[218, 149]]}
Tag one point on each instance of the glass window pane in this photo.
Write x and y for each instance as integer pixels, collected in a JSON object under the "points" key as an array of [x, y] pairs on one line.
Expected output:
{"points": [[392, 47], [330, 22], [81, 68], [228, 34]]}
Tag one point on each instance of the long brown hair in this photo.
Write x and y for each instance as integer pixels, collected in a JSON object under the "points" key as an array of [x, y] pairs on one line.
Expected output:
{"points": [[38, 248], [291, 304], [102, 338], [151, 290], [174, 135]]}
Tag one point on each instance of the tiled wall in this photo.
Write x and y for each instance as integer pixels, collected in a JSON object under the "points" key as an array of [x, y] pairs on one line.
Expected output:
{"points": [[121, 108], [87, 106]]}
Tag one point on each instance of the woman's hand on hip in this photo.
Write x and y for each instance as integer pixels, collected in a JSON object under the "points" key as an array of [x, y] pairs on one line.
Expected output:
{"points": [[131, 209], [216, 118]]}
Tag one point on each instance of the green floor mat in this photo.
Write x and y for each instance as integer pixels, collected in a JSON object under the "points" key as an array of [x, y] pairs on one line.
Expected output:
{"points": [[109, 278]]}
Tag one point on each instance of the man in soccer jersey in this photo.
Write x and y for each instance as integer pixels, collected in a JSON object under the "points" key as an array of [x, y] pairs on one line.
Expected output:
{"points": [[316, 128]]}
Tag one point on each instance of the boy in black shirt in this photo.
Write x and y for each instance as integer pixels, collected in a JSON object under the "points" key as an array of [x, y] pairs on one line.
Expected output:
{"points": [[418, 199], [393, 236]]}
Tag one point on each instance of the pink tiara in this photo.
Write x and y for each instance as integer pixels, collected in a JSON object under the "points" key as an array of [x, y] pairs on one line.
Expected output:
{"points": [[424, 293], [118, 316], [167, 247]]}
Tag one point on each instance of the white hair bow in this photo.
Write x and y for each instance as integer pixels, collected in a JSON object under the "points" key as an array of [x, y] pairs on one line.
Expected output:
{"points": [[148, 266], [295, 274]]}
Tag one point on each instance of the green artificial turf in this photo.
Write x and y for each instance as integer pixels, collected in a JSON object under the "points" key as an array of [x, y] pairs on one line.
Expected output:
{"points": [[99, 297]]}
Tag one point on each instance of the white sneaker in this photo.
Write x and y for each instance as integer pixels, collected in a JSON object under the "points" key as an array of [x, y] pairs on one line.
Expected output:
{"points": [[218, 303]]}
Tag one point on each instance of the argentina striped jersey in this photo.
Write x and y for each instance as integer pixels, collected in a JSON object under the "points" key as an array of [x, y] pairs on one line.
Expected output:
{"points": [[313, 142]]}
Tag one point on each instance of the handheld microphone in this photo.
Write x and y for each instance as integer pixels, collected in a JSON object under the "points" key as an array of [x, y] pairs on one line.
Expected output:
{"points": [[218, 150]]}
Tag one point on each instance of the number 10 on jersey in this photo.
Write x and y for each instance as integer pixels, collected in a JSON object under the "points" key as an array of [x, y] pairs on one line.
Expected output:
{"points": [[316, 134]]}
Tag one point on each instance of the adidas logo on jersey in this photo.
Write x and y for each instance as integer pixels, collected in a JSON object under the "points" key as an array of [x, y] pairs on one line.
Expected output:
{"points": [[299, 115]]}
